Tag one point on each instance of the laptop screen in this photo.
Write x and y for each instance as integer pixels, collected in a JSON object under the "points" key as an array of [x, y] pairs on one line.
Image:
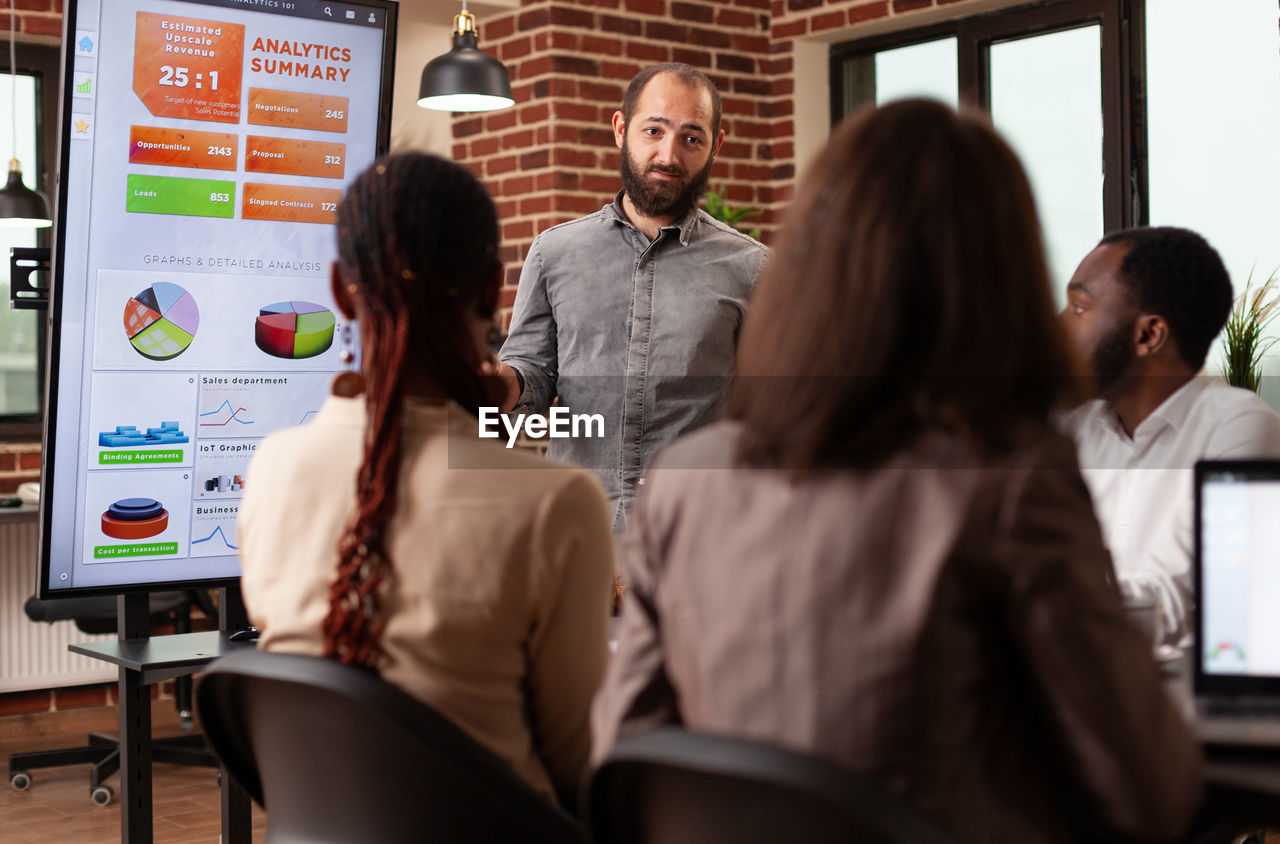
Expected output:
{"points": [[1237, 575]]}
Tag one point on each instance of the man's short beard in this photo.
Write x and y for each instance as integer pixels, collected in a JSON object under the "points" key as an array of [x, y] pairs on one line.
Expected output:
{"points": [[664, 199], [1113, 357]]}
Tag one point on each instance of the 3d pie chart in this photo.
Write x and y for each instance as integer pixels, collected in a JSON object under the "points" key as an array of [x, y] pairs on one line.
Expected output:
{"points": [[161, 321], [135, 518], [294, 329]]}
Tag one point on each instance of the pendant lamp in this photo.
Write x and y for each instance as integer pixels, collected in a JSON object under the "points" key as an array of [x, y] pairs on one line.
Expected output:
{"points": [[465, 79], [20, 206]]}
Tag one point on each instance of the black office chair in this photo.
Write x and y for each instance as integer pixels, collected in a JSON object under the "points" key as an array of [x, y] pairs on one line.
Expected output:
{"points": [[97, 615], [669, 786], [334, 753]]}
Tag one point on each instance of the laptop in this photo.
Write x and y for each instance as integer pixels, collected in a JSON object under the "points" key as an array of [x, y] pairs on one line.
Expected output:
{"points": [[1236, 570]]}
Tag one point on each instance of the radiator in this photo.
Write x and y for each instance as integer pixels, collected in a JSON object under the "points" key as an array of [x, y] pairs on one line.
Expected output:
{"points": [[34, 655]]}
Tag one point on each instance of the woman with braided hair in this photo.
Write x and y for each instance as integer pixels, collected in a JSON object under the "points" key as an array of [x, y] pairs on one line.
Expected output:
{"points": [[386, 533]]}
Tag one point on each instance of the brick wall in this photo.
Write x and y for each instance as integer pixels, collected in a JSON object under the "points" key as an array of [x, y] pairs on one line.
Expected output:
{"points": [[552, 157], [35, 17], [19, 462]]}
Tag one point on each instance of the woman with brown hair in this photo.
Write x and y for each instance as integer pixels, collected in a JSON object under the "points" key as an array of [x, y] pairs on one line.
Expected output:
{"points": [[385, 533], [886, 554]]}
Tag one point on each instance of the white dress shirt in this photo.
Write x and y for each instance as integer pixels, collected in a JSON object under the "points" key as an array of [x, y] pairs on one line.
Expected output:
{"points": [[1142, 485]]}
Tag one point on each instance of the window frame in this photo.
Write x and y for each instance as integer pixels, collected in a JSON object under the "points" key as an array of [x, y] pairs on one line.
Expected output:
{"points": [[44, 62], [1123, 33]]}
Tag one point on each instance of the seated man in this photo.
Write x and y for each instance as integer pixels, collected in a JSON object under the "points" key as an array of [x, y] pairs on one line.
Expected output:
{"points": [[1144, 307]]}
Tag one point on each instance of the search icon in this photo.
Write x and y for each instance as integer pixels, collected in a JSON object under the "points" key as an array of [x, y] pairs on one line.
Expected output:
{"points": [[328, 11]]}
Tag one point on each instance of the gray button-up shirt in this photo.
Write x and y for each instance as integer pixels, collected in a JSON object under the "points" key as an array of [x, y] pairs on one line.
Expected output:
{"points": [[642, 333]]}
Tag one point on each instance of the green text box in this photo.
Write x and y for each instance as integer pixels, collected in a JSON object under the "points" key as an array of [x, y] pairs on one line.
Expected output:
{"points": [[118, 458], [145, 549], [187, 197]]}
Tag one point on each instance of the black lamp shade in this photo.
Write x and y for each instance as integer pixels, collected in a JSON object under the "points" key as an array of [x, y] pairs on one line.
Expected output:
{"points": [[21, 206], [465, 79]]}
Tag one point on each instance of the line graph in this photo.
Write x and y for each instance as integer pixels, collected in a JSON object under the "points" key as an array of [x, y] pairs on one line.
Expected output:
{"points": [[307, 416], [217, 531], [234, 417]]}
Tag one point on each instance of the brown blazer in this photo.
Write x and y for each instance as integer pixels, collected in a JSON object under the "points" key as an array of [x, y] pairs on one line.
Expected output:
{"points": [[945, 623]]}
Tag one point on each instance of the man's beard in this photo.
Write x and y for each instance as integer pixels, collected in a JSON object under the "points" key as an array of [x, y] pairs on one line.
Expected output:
{"points": [[662, 198], [1113, 356]]}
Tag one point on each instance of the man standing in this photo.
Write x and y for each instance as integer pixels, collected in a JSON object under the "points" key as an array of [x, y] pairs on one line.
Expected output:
{"points": [[1144, 307], [633, 312]]}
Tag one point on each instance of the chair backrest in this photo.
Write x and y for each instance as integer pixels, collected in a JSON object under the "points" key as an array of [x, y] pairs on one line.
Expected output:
{"points": [[334, 753], [669, 786]]}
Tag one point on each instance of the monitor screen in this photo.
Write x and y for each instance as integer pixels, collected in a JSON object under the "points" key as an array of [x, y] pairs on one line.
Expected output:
{"points": [[1239, 569], [205, 147]]}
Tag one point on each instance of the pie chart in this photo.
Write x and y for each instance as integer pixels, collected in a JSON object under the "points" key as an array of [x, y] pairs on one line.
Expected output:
{"points": [[161, 321], [294, 329]]}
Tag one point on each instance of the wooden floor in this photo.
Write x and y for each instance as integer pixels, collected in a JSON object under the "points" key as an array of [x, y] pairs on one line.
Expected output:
{"points": [[56, 809]]}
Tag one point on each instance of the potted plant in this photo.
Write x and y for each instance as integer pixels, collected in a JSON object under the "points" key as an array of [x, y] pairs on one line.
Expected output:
{"points": [[1243, 343], [713, 202]]}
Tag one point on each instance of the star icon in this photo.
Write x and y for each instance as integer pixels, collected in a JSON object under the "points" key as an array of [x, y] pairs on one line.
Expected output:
{"points": [[81, 127]]}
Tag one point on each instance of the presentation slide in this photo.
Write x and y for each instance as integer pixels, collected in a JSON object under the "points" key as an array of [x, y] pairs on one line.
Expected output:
{"points": [[206, 148]]}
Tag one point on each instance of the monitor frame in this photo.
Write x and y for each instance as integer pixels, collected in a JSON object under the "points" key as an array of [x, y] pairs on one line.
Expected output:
{"points": [[390, 11]]}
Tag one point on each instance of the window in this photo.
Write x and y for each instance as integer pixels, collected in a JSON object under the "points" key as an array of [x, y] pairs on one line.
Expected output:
{"points": [[22, 333], [1060, 81]]}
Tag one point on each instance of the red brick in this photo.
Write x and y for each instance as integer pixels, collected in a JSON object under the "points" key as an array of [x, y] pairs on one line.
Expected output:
{"points": [[8, 486], [625, 26], [618, 70], [529, 21], [499, 121], [759, 87], [79, 697], [782, 172], [30, 6], [710, 38], [498, 166], [535, 113], [522, 93], [560, 40], [658, 8], [751, 43], [506, 207], [575, 65], [517, 48], [542, 136], [792, 29], [601, 45], [487, 145], [533, 67], [535, 205], [21, 703], [513, 276], [564, 134], [735, 105], [573, 158], [648, 52], [784, 150], [777, 48], [900, 6], [735, 149], [750, 129], [697, 58], [535, 160], [869, 12], [803, 5], [734, 17], [497, 28], [515, 231], [751, 172], [739, 193], [518, 140], [596, 136], [735, 63], [558, 180], [663, 31], [601, 92], [603, 4], [575, 111], [576, 204], [8, 462], [515, 186], [42, 25], [779, 108], [29, 462], [784, 86], [469, 126], [720, 170], [692, 12], [566, 16]]}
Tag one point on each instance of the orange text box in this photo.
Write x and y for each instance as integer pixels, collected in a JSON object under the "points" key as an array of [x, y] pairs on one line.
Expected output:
{"points": [[182, 148], [325, 113], [294, 158], [290, 203], [188, 67]]}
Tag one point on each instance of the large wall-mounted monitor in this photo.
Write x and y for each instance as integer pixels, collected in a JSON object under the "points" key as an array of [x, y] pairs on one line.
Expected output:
{"points": [[205, 147]]}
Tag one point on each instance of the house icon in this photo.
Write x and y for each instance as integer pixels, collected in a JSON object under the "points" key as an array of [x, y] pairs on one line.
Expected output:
{"points": [[86, 44]]}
